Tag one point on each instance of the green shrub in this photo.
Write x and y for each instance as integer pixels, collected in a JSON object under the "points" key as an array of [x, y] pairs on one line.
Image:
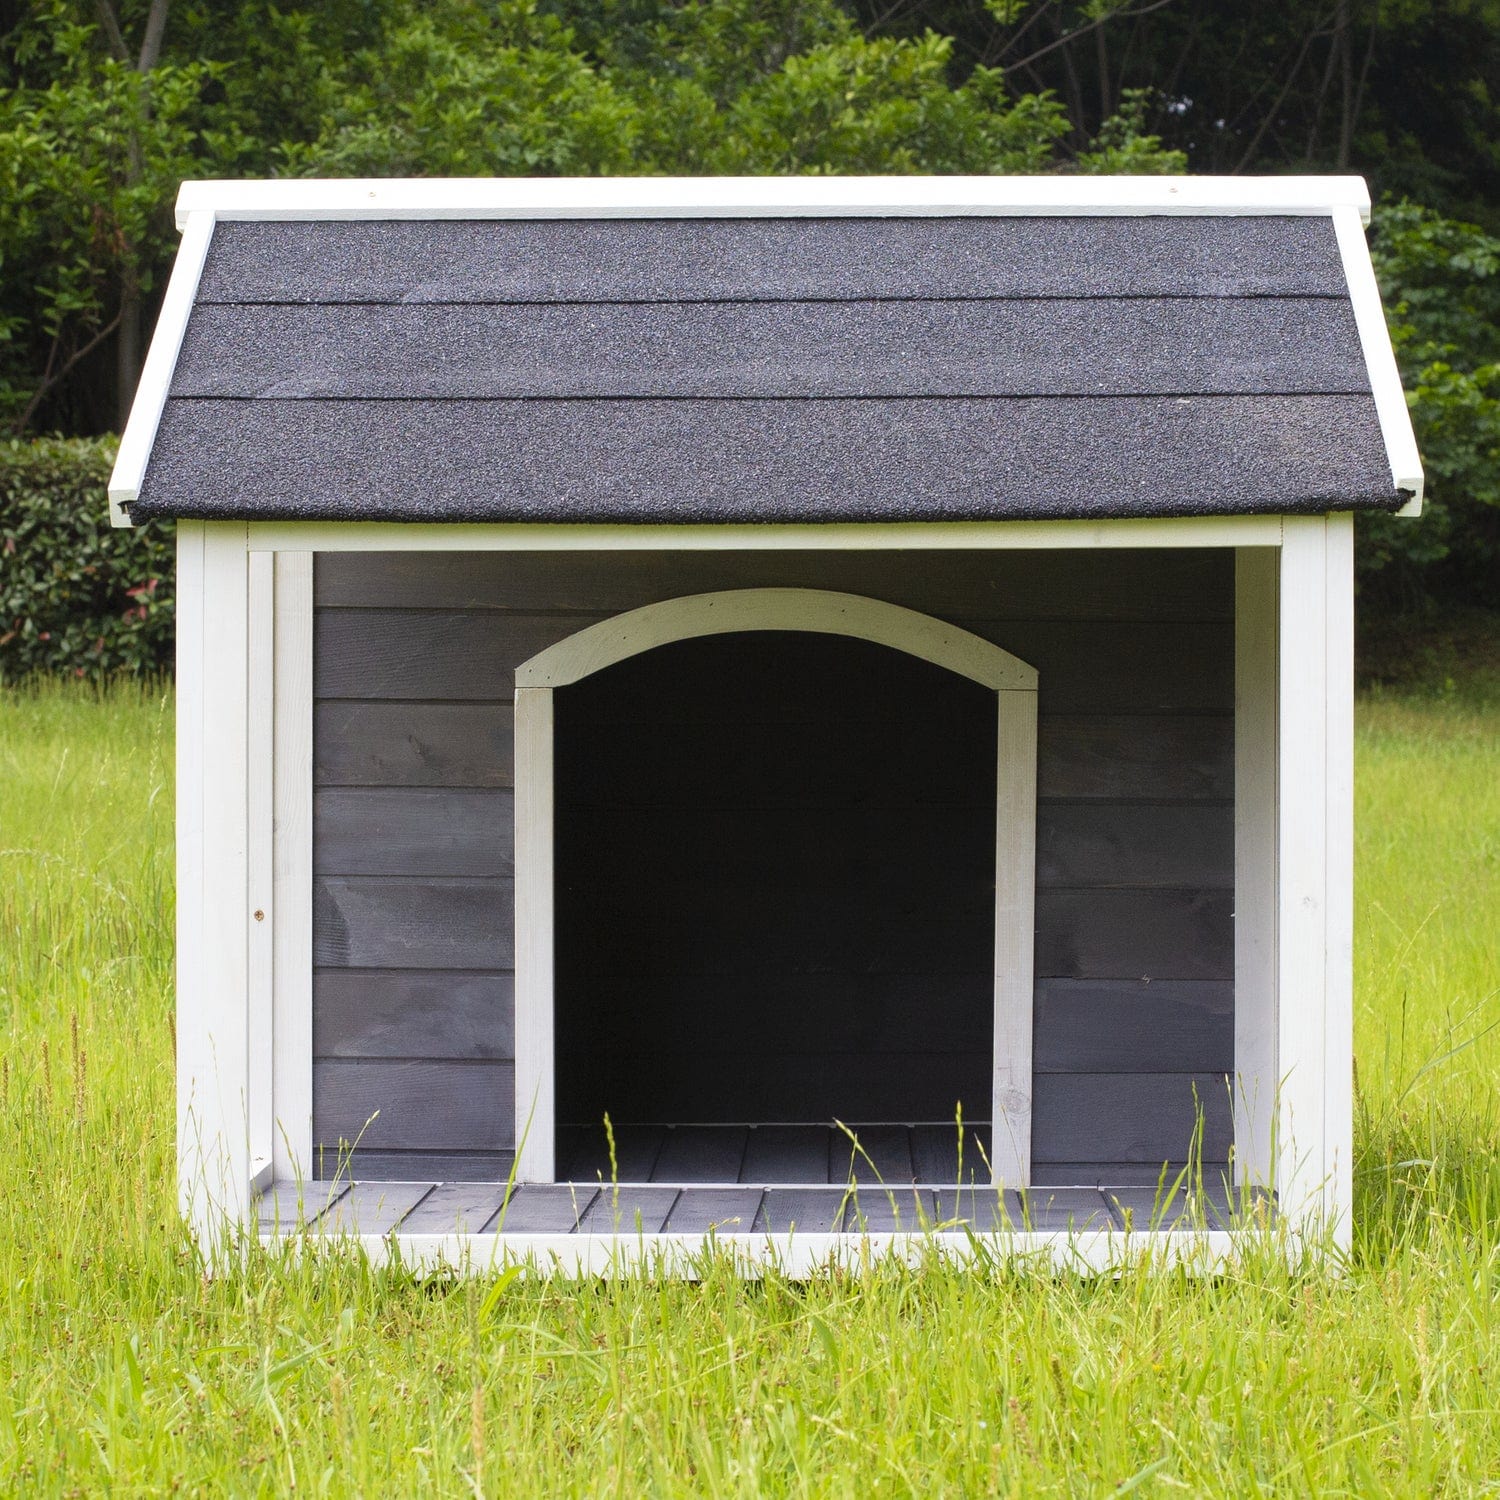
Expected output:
{"points": [[76, 596]]}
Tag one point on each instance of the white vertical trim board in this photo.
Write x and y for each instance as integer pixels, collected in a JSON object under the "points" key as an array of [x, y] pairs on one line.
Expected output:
{"points": [[161, 361], [1015, 935], [1338, 945], [291, 898], [260, 766], [1014, 683], [1255, 769], [536, 1107], [213, 854], [1380, 357], [1307, 1053]]}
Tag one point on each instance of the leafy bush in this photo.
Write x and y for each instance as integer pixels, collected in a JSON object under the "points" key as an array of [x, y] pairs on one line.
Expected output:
{"points": [[1441, 281], [76, 596]]}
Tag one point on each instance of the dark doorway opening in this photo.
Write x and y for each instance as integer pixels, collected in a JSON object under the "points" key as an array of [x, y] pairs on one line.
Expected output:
{"points": [[775, 882]]}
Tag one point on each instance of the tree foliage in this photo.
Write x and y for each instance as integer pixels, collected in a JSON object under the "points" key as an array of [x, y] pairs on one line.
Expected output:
{"points": [[105, 105]]}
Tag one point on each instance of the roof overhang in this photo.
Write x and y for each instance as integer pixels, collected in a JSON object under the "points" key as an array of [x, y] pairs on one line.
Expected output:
{"points": [[1342, 200]]}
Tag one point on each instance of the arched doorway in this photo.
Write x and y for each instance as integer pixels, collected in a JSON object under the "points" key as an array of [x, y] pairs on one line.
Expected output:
{"points": [[775, 853]]}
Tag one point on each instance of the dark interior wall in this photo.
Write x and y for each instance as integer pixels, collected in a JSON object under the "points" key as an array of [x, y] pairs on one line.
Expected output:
{"points": [[775, 886], [414, 662]]}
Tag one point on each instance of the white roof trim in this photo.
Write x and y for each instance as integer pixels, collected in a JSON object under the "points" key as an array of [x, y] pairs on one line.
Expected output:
{"points": [[161, 360], [730, 197], [1380, 358]]}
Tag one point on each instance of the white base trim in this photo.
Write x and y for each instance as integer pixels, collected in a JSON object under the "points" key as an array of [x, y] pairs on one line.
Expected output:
{"points": [[801, 1256]]}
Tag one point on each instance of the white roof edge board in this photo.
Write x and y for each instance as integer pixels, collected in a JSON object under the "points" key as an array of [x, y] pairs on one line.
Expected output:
{"points": [[1380, 359], [721, 197], [161, 360]]}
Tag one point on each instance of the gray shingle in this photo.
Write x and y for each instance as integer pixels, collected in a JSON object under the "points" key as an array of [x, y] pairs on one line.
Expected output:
{"points": [[669, 260], [766, 460], [1024, 347]]}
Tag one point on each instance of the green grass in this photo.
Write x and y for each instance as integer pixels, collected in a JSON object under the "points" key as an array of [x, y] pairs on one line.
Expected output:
{"points": [[125, 1369]]}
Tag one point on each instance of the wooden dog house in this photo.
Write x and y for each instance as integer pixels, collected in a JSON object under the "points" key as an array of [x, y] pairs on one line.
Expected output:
{"points": [[776, 664]]}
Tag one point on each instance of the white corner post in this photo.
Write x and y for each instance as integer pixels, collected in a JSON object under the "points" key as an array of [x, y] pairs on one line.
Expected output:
{"points": [[1314, 867], [214, 1118], [290, 914], [823, 612], [1256, 1021], [536, 1093], [1015, 936]]}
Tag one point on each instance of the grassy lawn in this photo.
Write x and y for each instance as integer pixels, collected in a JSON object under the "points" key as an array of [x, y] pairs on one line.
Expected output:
{"points": [[126, 1369]]}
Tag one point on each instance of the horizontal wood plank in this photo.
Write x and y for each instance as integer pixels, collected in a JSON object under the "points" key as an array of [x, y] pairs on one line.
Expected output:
{"points": [[726, 1210], [1141, 1117], [1135, 755], [428, 654], [412, 744], [1109, 584], [368, 922], [1135, 845], [413, 831], [412, 1013], [411, 1166], [438, 1106], [1128, 1026], [1120, 934]]}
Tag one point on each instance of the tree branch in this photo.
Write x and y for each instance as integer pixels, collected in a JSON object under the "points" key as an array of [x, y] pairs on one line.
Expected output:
{"points": [[156, 25], [49, 382], [1072, 36], [109, 23]]}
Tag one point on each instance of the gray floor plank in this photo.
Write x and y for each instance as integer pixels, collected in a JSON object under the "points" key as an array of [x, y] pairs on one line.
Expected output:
{"points": [[883, 1154], [808, 1210], [373, 1207], [1214, 1206], [786, 1153], [629, 1210], [878, 1209], [729, 1210], [935, 1153], [544, 1209], [981, 1208], [456, 1208], [1074, 1209], [701, 1153], [636, 1148], [286, 1205]]}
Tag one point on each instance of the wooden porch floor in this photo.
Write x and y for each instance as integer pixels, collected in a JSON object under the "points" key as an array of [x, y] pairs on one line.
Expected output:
{"points": [[441, 1208], [766, 1179]]}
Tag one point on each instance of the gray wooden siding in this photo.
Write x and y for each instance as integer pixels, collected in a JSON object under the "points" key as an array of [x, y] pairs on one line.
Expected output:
{"points": [[412, 750]]}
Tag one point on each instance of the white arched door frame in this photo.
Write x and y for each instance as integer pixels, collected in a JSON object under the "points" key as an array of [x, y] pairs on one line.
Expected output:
{"points": [[1014, 684]]}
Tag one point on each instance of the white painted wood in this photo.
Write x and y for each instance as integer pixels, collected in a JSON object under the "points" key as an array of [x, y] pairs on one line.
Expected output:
{"points": [[394, 536], [194, 1058], [721, 197], [1015, 935], [161, 361], [1338, 948], [628, 634], [260, 761], [1380, 357], [214, 913], [1302, 865], [291, 898], [817, 611], [1256, 1024], [798, 1256], [536, 1110]]}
